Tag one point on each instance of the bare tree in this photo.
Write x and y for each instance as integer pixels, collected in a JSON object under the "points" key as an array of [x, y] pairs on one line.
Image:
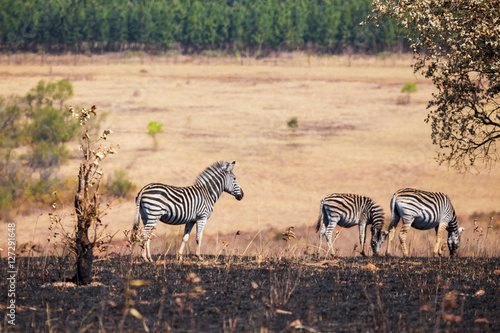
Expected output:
{"points": [[456, 44], [87, 198]]}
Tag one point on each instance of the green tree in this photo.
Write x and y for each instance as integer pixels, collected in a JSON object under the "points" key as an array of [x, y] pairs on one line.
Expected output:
{"points": [[117, 22], [154, 128], [13, 178], [163, 20], [194, 24], [238, 25], [329, 17], [48, 128], [10, 123], [49, 93], [34, 123], [457, 45]]}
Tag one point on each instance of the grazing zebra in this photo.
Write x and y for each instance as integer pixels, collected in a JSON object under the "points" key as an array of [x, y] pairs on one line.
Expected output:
{"points": [[424, 210], [348, 210], [185, 205]]}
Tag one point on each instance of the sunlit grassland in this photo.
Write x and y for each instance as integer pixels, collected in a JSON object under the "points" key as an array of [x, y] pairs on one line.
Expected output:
{"points": [[352, 137]]}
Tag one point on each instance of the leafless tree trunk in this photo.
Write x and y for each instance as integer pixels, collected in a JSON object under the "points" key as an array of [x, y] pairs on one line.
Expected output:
{"points": [[87, 200], [86, 209]]}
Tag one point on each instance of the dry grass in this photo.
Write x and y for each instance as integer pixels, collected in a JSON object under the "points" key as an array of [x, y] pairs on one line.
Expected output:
{"points": [[352, 135]]}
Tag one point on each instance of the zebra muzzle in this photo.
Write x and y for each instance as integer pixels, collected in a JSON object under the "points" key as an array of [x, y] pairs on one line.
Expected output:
{"points": [[239, 196]]}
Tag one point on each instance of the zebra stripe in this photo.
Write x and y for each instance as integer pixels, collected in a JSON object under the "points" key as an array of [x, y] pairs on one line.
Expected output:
{"points": [[185, 205], [424, 210], [348, 210]]}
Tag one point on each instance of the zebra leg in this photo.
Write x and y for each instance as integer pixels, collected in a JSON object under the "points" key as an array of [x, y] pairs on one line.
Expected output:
{"points": [[395, 217], [392, 232], [185, 238], [402, 237], [146, 252], [321, 235], [362, 237], [199, 235], [329, 231], [439, 232]]}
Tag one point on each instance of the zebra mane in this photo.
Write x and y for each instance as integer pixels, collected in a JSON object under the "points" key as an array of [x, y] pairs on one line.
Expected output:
{"points": [[377, 213], [211, 172]]}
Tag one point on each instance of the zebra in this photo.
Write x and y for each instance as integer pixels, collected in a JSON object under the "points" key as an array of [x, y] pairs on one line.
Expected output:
{"points": [[185, 205], [424, 210], [348, 210]]}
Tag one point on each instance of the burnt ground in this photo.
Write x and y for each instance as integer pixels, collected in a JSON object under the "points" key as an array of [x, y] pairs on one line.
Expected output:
{"points": [[242, 294]]}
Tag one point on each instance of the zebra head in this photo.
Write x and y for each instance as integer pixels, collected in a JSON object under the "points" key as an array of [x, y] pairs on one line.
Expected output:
{"points": [[231, 185], [454, 240], [378, 237], [377, 221]]}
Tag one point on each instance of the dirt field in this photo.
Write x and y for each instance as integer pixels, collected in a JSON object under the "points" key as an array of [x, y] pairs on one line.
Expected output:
{"points": [[242, 294], [352, 137]]}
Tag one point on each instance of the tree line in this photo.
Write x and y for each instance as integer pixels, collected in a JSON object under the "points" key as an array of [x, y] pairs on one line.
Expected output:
{"points": [[190, 26]]}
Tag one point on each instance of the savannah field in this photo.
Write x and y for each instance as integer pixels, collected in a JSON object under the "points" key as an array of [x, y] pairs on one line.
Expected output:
{"points": [[353, 137]]}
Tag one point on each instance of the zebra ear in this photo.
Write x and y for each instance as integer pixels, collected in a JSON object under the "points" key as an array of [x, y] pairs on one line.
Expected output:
{"points": [[230, 167]]}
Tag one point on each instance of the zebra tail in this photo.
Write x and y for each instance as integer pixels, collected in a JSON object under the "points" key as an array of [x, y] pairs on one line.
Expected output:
{"points": [[137, 219], [320, 217], [394, 214]]}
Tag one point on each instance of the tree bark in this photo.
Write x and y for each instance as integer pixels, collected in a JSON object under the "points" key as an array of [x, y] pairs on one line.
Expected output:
{"points": [[85, 258], [85, 212]]}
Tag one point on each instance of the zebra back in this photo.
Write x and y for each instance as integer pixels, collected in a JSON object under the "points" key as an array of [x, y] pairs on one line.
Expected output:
{"points": [[433, 205], [353, 205]]}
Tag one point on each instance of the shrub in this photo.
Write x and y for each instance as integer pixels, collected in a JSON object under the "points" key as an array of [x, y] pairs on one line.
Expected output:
{"points": [[34, 123], [409, 87], [41, 190], [293, 122], [119, 185], [153, 129]]}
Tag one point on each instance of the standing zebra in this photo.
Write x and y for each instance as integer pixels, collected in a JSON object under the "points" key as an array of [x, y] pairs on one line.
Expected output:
{"points": [[348, 210], [185, 205], [424, 210]]}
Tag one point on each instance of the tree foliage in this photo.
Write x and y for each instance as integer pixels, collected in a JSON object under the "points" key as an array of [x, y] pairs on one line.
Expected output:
{"points": [[120, 185], [154, 128], [191, 26], [456, 45], [33, 134]]}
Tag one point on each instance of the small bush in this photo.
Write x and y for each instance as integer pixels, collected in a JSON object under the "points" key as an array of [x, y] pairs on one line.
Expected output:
{"points": [[409, 87], [5, 203], [40, 191], [293, 122], [119, 185]]}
